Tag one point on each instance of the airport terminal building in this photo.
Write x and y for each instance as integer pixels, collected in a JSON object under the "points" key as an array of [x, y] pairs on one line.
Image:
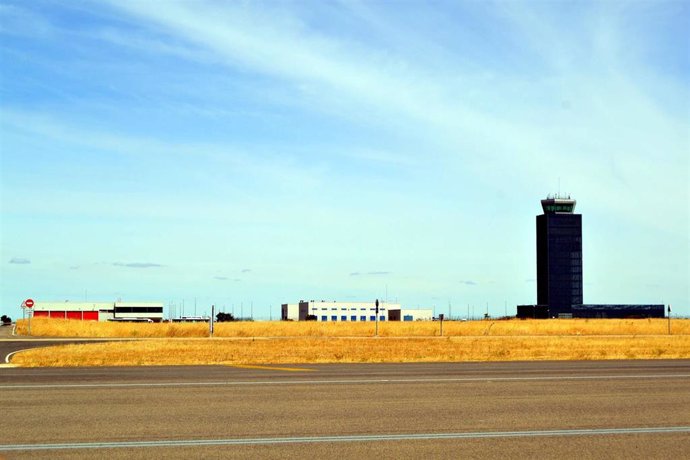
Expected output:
{"points": [[559, 270], [322, 310]]}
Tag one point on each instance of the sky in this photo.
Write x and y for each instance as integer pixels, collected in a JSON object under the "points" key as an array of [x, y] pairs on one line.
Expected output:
{"points": [[248, 154]]}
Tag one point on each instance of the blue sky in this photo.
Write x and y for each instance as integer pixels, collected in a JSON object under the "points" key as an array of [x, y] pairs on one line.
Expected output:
{"points": [[243, 153]]}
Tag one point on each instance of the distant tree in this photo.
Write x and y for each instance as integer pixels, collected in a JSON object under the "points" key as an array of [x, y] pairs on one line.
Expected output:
{"points": [[6, 319], [224, 317], [311, 318]]}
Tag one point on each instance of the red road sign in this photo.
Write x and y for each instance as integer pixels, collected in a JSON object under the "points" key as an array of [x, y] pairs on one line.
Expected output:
{"points": [[29, 303]]}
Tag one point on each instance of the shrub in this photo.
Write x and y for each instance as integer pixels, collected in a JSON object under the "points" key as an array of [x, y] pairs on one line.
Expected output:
{"points": [[224, 317]]}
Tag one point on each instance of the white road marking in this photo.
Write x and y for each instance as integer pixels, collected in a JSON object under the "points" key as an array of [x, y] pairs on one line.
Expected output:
{"points": [[347, 438], [7, 358], [341, 381]]}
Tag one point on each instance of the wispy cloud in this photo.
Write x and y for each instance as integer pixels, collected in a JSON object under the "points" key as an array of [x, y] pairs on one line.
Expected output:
{"points": [[468, 282], [225, 278], [137, 265], [246, 270], [456, 104], [19, 261], [373, 273]]}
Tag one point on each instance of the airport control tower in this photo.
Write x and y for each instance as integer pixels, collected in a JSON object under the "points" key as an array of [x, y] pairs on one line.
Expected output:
{"points": [[559, 256]]}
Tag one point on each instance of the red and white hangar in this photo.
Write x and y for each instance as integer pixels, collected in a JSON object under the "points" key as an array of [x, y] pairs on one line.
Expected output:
{"points": [[96, 311]]}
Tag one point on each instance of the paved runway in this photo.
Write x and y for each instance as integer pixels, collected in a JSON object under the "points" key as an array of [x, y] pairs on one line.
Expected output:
{"points": [[635, 409]]}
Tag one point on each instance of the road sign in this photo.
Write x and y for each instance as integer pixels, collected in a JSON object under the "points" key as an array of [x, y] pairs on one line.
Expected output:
{"points": [[29, 303]]}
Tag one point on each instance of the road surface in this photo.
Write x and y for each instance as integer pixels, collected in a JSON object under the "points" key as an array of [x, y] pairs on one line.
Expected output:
{"points": [[619, 409]]}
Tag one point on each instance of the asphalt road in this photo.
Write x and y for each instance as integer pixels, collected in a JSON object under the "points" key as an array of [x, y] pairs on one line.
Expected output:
{"points": [[616, 409], [10, 343]]}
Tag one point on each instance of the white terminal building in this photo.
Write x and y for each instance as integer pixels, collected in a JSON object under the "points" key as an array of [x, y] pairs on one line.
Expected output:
{"points": [[324, 310], [98, 311]]}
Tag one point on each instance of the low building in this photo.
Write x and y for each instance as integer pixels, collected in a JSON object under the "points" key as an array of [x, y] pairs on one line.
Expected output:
{"points": [[409, 314], [619, 311], [292, 312], [322, 310], [138, 310], [83, 311], [594, 311], [99, 311]]}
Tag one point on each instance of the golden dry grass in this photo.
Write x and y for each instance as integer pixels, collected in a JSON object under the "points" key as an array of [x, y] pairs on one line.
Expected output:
{"points": [[310, 342], [43, 327], [356, 350]]}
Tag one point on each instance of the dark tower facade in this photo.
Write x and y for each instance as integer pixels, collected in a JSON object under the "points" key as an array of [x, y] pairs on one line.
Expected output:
{"points": [[559, 256]]}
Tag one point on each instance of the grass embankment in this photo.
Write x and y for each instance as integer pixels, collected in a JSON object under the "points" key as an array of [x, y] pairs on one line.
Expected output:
{"points": [[302, 343], [42, 327]]}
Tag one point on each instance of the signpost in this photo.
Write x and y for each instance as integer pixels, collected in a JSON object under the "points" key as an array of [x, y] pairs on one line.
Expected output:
{"points": [[376, 320], [440, 317], [29, 303], [669, 319]]}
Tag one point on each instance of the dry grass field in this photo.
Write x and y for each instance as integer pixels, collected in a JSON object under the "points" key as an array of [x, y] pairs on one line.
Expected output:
{"points": [[304, 350], [42, 327], [310, 342]]}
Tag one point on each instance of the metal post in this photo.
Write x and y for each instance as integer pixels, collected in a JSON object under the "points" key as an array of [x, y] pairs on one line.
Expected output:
{"points": [[440, 317], [213, 311], [669, 319]]}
